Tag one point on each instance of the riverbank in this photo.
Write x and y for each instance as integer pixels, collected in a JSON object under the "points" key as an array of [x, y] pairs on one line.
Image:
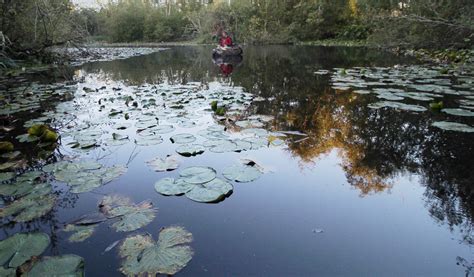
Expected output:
{"points": [[448, 57]]}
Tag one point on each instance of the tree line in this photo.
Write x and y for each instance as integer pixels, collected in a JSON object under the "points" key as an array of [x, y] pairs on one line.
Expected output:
{"points": [[28, 27], [419, 24]]}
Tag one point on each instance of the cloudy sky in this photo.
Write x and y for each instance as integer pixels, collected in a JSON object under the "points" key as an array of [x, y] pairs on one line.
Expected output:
{"points": [[87, 3]]}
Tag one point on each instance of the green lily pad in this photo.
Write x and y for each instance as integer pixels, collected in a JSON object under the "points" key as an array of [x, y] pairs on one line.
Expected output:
{"points": [[198, 174], [6, 176], [458, 112], [19, 188], [19, 248], [8, 165], [7, 272], [81, 232], [90, 219], [170, 186], [242, 173], [130, 217], [168, 256], [209, 192], [148, 141], [189, 150], [84, 176], [162, 129], [65, 265], [182, 138], [167, 164], [397, 105], [418, 95], [453, 126], [36, 204], [222, 146]]}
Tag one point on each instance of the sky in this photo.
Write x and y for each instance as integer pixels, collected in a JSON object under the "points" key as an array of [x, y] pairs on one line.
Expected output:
{"points": [[87, 3]]}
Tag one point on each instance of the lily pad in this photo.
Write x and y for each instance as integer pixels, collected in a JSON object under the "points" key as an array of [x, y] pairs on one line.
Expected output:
{"points": [[130, 217], [453, 126], [81, 232], [36, 204], [209, 192], [198, 174], [189, 150], [242, 173], [65, 265], [222, 146], [148, 141], [458, 112], [19, 248], [170, 186], [6, 176], [162, 129], [167, 164], [397, 105], [182, 138], [168, 256]]}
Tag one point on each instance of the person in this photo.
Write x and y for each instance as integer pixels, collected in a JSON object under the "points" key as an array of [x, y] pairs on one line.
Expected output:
{"points": [[225, 40], [226, 69]]}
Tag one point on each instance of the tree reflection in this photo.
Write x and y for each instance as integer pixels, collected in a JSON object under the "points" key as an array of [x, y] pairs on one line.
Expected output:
{"points": [[374, 145]]}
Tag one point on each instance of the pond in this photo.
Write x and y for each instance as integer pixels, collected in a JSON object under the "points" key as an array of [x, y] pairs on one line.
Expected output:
{"points": [[291, 161]]}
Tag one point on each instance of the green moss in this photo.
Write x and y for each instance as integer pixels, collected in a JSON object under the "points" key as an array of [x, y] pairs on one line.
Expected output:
{"points": [[220, 111], [37, 130], [436, 106], [6, 146], [49, 136], [214, 105]]}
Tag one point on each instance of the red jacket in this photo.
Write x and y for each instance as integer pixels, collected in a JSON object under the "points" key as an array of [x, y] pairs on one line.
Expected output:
{"points": [[225, 42]]}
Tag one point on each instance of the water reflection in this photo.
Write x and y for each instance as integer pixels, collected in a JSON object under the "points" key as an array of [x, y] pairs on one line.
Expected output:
{"points": [[376, 146]]}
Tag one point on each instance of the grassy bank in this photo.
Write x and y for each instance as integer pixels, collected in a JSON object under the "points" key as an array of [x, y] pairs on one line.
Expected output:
{"points": [[336, 42]]}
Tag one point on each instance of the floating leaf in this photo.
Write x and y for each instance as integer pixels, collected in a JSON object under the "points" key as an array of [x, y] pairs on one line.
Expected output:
{"points": [[130, 217], [212, 191], [7, 272], [6, 176], [170, 186], [182, 138], [458, 112], [150, 140], [19, 248], [90, 219], [19, 188], [222, 146], [81, 232], [198, 174], [36, 204], [65, 265], [162, 129], [168, 256], [189, 150], [453, 126], [167, 164], [397, 105], [242, 173]]}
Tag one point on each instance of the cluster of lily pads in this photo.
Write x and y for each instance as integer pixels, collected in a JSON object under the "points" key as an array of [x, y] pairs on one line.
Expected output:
{"points": [[84, 176], [18, 255], [101, 117], [16, 107], [422, 87], [201, 184], [127, 217]]}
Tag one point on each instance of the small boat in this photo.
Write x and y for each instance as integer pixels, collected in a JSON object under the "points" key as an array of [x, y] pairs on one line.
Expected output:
{"points": [[227, 51], [234, 60]]}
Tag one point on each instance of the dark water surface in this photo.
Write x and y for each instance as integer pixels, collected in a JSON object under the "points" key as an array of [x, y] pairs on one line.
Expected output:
{"points": [[365, 191]]}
